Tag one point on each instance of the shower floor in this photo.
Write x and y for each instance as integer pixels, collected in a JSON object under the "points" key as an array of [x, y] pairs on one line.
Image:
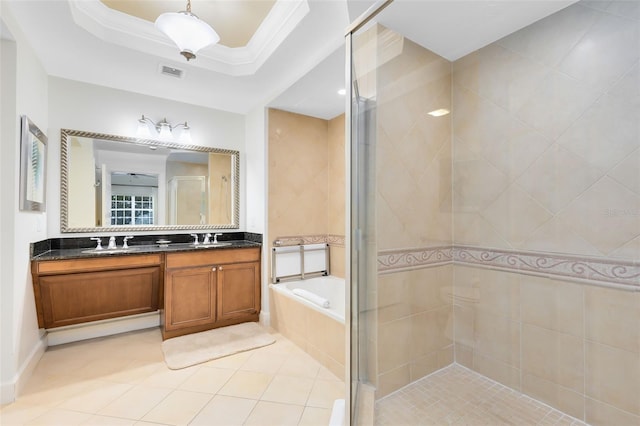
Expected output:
{"points": [[458, 396]]}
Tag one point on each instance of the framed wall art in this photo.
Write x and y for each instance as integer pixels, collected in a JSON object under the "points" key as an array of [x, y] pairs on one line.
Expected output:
{"points": [[33, 161]]}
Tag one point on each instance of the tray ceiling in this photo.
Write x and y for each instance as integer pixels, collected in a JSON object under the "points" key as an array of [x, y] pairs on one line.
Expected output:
{"points": [[235, 21]]}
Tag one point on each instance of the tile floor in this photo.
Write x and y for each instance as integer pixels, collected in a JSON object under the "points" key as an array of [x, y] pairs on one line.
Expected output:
{"points": [[458, 396], [122, 380]]}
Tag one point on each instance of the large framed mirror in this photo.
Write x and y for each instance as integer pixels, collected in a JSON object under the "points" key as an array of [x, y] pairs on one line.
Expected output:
{"points": [[115, 183]]}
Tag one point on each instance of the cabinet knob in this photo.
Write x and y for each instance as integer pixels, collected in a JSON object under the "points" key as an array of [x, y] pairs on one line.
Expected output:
{"points": [[213, 269], [220, 268]]}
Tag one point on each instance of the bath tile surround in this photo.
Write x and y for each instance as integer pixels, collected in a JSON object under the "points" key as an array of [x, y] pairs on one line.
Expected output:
{"points": [[306, 183], [318, 334]]}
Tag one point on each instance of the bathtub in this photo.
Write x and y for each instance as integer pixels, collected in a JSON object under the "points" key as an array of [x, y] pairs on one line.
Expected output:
{"points": [[319, 331], [330, 288]]}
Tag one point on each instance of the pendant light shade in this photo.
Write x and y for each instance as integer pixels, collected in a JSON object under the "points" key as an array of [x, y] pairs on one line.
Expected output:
{"points": [[187, 31]]}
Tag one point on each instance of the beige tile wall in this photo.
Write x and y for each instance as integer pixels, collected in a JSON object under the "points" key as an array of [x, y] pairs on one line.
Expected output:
{"points": [[414, 319], [298, 174], [415, 326], [547, 138], [320, 336], [573, 346], [336, 192], [545, 158], [306, 179]]}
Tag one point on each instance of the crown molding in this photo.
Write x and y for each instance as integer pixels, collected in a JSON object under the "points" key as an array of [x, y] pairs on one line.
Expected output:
{"points": [[115, 27]]}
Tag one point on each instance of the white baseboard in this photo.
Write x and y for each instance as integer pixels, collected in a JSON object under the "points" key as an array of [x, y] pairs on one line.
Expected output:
{"points": [[75, 333], [10, 391], [29, 365], [265, 318], [7, 393]]}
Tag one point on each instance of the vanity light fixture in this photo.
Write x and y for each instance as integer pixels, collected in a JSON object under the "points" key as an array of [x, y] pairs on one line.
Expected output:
{"points": [[163, 129], [187, 31]]}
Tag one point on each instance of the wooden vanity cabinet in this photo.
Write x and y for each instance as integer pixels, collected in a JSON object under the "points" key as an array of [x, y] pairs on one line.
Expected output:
{"points": [[210, 288], [190, 297], [74, 291], [238, 290], [194, 290]]}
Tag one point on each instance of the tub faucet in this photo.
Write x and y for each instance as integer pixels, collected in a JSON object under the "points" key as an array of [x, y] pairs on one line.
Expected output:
{"points": [[112, 242], [206, 238], [195, 239], [215, 238]]}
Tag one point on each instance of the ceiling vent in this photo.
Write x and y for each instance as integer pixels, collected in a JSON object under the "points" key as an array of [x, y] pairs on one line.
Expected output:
{"points": [[171, 71]]}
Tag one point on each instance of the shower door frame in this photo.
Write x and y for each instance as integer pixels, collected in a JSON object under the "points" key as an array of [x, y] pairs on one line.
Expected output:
{"points": [[353, 214]]}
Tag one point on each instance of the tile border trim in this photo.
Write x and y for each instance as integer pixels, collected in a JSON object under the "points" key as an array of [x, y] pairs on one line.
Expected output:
{"points": [[390, 261], [331, 239], [598, 271]]}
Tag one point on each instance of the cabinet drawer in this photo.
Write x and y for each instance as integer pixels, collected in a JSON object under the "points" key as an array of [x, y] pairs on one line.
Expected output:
{"points": [[212, 257], [96, 264]]}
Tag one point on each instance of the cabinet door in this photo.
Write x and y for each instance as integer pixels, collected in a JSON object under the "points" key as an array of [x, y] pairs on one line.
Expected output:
{"points": [[190, 297], [238, 290], [76, 298]]}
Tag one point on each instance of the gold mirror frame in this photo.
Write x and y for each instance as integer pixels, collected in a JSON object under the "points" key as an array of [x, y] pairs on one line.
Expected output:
{"points": [[64, 183]]}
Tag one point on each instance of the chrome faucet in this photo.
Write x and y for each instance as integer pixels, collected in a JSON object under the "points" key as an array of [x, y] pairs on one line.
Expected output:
{"points": [[206, 238], [99, 240], [195, 241], [124, 241], [215, 238], [112, 242]]}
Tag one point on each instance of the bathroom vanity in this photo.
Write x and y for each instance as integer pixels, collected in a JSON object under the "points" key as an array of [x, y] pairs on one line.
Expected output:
{"points": [[195, 288], [210, 288], [115, 184]]}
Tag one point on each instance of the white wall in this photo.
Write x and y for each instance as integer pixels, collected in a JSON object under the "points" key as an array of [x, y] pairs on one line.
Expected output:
{"points": [[87, 107], [24, 87], [255, 202]]}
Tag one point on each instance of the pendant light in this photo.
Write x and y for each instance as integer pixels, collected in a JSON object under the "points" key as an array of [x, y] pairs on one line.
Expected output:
{"points": [[187, 31]]}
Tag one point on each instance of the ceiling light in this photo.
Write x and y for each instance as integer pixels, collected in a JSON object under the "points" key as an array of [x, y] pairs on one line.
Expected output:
{"points": [[439, 112], [187, 31], [163, 130]]}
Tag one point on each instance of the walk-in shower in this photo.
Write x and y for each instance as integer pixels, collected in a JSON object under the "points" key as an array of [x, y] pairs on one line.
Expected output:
{"points": [[495, 231]]}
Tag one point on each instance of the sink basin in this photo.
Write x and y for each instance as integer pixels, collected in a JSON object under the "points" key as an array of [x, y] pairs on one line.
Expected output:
{"points": [[108, 251], [210, 245]]}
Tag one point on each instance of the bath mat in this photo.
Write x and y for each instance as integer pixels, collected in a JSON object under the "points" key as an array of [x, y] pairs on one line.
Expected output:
{"points": [[192, 349]]}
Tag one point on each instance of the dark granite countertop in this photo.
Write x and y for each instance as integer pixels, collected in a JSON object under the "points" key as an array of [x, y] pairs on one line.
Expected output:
{"points": [[75, 248]]}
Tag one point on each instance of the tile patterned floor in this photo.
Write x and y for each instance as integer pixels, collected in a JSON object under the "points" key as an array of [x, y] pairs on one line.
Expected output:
{"points": [[123, 380], [458, 396]]}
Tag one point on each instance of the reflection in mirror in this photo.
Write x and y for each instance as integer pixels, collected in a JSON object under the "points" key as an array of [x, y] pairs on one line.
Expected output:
{"points": [[112, 183]]}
